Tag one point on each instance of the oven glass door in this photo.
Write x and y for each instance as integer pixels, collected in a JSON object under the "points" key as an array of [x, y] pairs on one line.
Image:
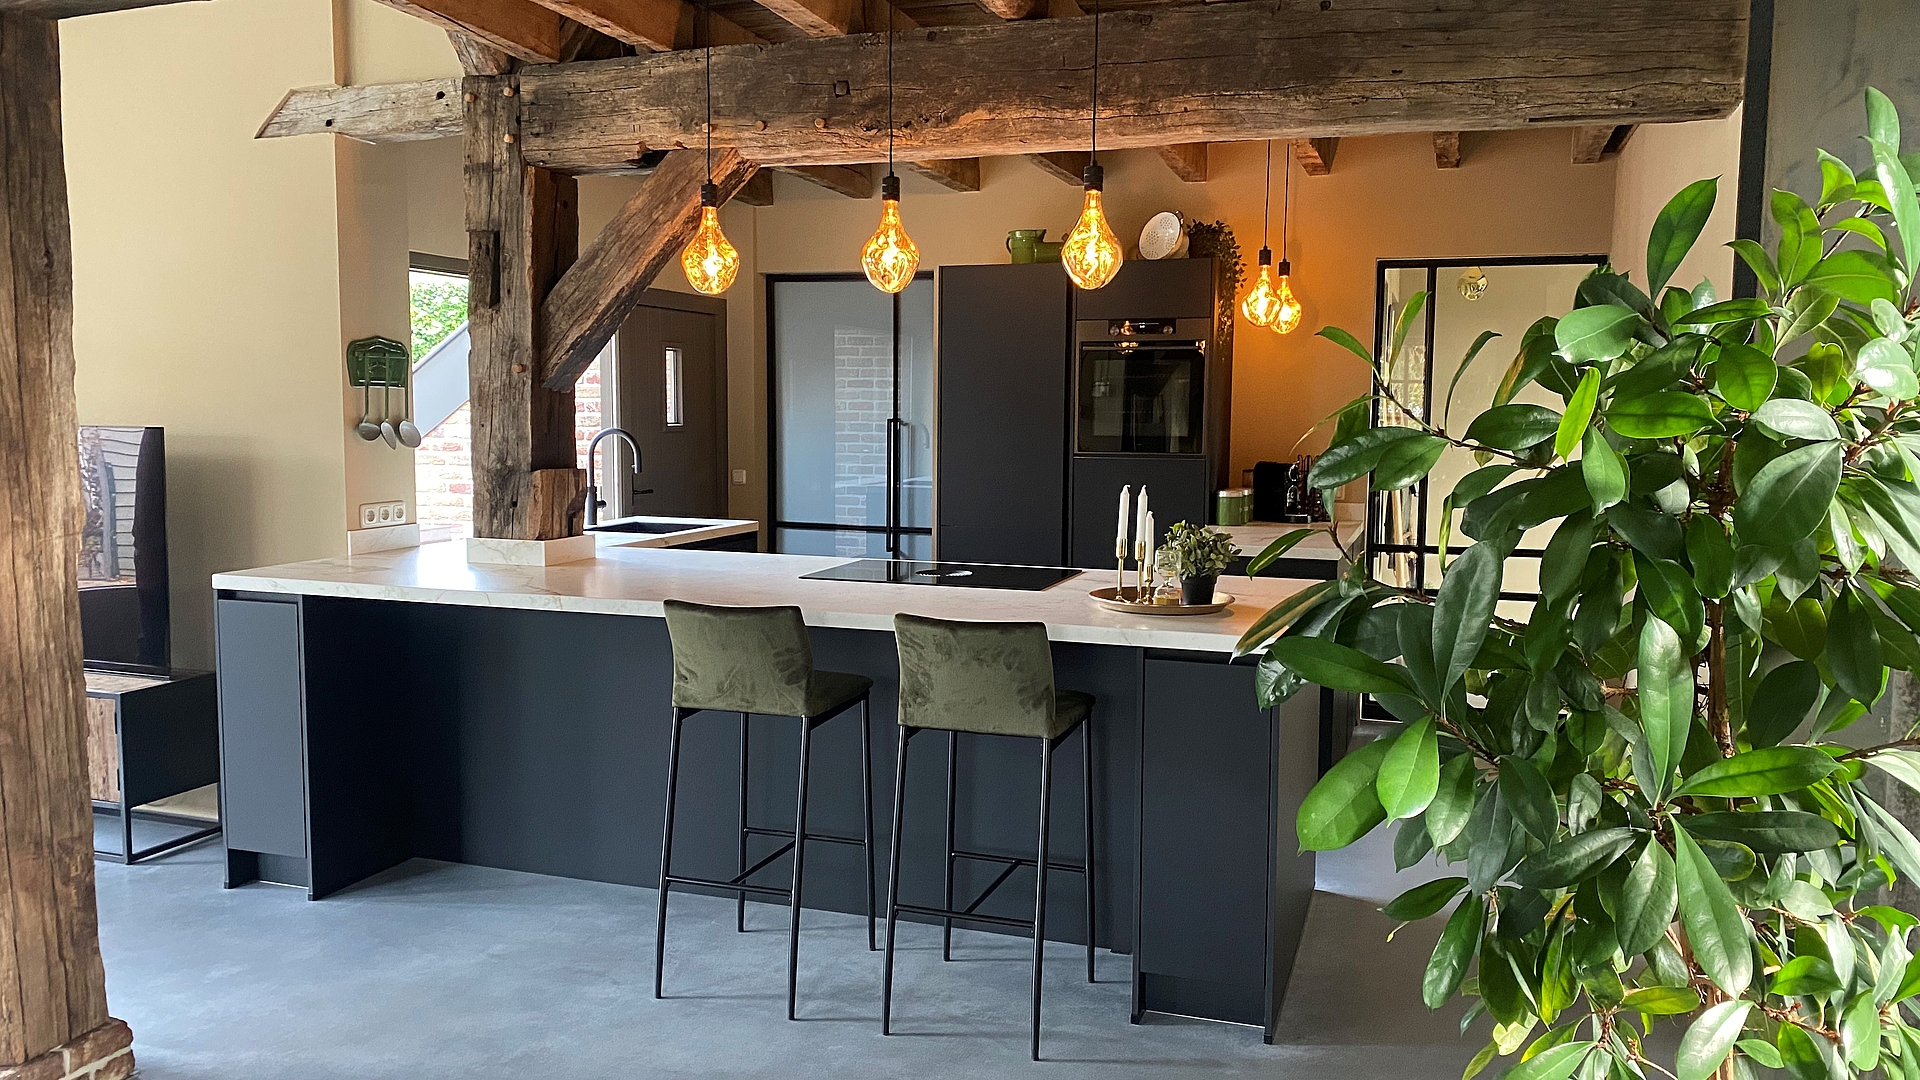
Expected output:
{"points": [[1140, 399]]}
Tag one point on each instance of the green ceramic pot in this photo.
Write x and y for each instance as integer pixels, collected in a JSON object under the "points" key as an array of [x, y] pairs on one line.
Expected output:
{"points": [[1022, 244]]}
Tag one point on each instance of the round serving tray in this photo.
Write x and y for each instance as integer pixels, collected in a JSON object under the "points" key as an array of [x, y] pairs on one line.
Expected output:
{"points": [[1110, 599]]}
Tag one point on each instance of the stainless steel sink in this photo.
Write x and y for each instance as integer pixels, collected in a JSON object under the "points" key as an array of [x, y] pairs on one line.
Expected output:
{"points": [[629, 525]]}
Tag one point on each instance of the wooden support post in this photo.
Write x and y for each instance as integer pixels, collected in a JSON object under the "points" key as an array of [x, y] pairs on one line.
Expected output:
{"points": [[1315, 155], [1187, 160], [853, 181], [1446, 149], [523, 232], [1065, 166], [957, 174], [53, 996]]}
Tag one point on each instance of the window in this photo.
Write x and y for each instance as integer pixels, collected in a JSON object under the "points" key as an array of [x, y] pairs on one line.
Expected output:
{"points": [[676, 401]]}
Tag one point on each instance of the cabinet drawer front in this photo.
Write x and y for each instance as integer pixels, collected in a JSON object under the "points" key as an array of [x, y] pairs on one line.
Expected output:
{"points": [[263, 767]]}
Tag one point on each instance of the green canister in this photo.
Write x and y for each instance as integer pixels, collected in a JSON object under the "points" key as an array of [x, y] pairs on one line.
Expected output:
{"points": [[1233, 506]]}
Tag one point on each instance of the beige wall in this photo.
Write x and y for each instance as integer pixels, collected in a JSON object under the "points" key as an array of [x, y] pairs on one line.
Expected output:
{"points": [[1656, 163]]}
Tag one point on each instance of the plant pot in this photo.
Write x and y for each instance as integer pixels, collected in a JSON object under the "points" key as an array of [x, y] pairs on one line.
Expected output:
{"points": [[1198, 590]]}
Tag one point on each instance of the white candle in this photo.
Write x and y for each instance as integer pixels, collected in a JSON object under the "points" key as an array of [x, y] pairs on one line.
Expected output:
{"points": [[1142, 533], [1120, 541]]}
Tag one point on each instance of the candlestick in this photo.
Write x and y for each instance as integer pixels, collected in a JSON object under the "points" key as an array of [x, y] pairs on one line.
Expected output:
{"points": [[1120, 542], [1140, 517], [1146, 566]]}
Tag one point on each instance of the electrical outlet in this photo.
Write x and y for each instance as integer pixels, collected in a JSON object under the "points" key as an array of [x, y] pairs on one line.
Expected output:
{"points": [[376, 515], [400, 513], [369, 515], [739, 476]]}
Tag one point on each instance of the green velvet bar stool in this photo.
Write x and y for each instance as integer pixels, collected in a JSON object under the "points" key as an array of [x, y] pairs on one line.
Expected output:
{"points": [[759, 660], [979, 678]]}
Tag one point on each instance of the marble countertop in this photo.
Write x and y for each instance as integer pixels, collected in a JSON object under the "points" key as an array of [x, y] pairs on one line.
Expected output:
{"points": [[1253, 537], [633, 580], [697, 529]]}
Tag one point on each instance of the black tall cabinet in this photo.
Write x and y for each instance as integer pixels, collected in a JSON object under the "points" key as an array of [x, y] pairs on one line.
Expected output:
{"points": [[1001, 467]]}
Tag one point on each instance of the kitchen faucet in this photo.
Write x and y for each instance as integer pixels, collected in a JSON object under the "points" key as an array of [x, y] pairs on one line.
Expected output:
{"points": [[594, 501]]}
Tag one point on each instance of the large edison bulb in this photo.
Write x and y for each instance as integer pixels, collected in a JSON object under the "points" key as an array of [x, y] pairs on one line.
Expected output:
{"points": [[890, 257], [1091, 253], [1261, 305], [1288, 318], [709, 260]]}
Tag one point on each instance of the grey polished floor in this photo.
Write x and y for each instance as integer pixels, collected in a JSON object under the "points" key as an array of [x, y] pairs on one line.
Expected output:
{"points": [[438, 970]]}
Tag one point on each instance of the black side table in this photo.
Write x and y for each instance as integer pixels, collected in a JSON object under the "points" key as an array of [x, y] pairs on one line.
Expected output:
{"points": [[151, 737]]}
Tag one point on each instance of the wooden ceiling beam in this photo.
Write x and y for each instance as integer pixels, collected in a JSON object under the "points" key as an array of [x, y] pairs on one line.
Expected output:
{"points": [[652, 25], [954, 174], [66, 9], [1594, 143], [1220, 72], [1013, 9], [1187, 160], [1446, 149], [479, 58], [852, 181], [815, 18], [1315, 155], [757, 191], [519, 28], [588, 303], [382, 112], [1066, 166]]}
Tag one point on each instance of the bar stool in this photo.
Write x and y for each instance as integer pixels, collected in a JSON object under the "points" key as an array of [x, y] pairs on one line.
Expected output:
{"points": [[759, 660], [986, 679]]}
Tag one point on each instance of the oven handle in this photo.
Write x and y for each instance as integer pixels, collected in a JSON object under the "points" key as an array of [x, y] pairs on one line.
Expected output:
{"points": [[1136, 346], [893, 485]]}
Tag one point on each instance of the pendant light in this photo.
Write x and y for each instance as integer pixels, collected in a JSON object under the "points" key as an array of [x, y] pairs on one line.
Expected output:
{"points": [[1287, 315], [890, 257], [710, 261], [1261, 305], [1091, 253]]}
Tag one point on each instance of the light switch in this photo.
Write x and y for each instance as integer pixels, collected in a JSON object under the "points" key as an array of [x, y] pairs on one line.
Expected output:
{"points": [[739, 476]]}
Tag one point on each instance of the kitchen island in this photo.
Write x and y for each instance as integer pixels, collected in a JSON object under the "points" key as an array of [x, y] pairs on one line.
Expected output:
{"points": [[409, 704]]}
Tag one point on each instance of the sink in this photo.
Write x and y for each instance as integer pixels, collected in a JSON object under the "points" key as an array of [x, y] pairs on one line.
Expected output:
{"points": [[631, 525]]}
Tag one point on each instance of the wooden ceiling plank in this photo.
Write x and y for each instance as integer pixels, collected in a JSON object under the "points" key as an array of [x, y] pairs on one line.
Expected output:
{"points": [[479, 58], [1446, 149], [955, 174], [1066, 166], [588, 303], [1220, 72], [67, 9], [815, 18], [1590, 143], [383, 112], [1187, 160], [1315, 155], [1012, 9], [757, 191], [519, 28], [852, 181], [645, 24]]}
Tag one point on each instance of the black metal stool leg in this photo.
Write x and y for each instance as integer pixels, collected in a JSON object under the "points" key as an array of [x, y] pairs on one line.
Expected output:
{"points": [[866, 812], [953, 769], [1086, 810], [1040, 886], [666, 851], [799, 866], [893, 879], [740, 918]]}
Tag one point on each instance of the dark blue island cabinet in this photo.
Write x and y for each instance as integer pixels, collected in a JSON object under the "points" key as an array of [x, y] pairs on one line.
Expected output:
{"points": [[360, 732]]}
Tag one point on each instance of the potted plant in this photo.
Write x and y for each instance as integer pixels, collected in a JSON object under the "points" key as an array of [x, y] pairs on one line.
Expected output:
{"points": [[1647, 787], [1196, 554]]}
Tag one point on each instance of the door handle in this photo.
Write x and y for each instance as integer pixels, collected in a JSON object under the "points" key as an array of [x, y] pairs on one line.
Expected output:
{"points": [[893, 485]]}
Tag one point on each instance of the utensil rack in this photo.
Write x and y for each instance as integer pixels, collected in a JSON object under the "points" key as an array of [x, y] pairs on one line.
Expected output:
{"points": [[377, 361]]}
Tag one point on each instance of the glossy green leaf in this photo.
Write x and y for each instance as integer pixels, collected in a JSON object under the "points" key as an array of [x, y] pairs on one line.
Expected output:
{"points": [[1452, 803], [1763, 1053], [1772, 770], [1424, 900], [1676, 229], [1768, 831], [1888, 168], [1798, 1053], [1709, 1039], [1278, 618], [1757, 258], [1410, 773], [1726, 311], [1513, 427], [1479, 343], [1716, 929], [1902, 765], [1407, 461], [1791, 419], [1806, 310], [1710, 551], [1348, 460], [1280, 546], [1787, 499], [1648, 899], [1744, 376], [1853, 648], [1579, 414], [1663, 1000], [1666, 702], [1572, 859], [1529, 798], [1804, 976], [1594, 333], [1660, 415], [1887, 368], [1859, 276], [1464, 608], [1337, 667], [1603, 469], [1860, 1034], [1344, 805], [1799, 247], [1554, 1063], [1346, 341], [1408, 316], [1448, 965]]}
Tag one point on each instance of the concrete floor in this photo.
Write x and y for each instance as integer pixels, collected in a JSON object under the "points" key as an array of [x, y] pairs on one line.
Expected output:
{"points": [[439, 970]]}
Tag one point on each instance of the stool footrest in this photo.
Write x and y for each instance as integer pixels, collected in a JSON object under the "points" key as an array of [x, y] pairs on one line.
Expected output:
{"points": [[824, 838], [735, 886], [946, 913], [1052, 864]]}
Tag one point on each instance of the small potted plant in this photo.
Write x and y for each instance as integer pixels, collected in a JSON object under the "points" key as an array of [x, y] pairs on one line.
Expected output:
{"points": [[1196, 554]]}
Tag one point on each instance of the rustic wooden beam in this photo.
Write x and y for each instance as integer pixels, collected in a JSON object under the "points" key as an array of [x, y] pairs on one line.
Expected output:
{"points": [[850, 180], [654, 25], [519, 28], [52, 987], [383, 112], [591, 300], [1315, 155], [955, 174], [1219, 72], [523, 233], [1595, 143], [1012, 9], [815, 18], [757, 191], [66, 9], [477, 57], [1065, 166], [1187, 160], [1446, 149]]}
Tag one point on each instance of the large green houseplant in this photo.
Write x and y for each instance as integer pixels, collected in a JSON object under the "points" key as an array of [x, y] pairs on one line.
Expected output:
{"points": [[1641, 785]]}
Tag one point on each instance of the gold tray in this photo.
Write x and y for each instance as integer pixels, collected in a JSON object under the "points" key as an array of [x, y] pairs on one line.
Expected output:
{"points": [[1110, 599]]}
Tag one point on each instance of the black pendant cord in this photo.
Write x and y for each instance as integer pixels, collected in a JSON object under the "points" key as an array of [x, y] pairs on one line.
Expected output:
{"points": [[707, 18], [1093, 156], [1266, 201], [1286, 204], [889, 91]]}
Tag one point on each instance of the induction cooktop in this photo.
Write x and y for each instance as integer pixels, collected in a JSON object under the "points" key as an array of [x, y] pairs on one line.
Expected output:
{"points": [[954, 575]]}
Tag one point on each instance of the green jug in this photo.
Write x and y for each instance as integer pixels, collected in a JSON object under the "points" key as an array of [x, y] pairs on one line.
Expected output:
{"points": [[1024, 244]]}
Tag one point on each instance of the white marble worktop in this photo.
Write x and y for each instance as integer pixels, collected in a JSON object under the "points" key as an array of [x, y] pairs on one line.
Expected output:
{"points": [[628, 580], [1253, 537], [694, 530]]}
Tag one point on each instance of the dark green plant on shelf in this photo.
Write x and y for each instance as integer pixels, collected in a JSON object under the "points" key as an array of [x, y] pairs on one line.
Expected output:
{"points": [[1640, 784]]}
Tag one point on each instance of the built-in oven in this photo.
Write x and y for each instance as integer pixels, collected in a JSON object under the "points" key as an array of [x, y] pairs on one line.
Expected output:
{"points": [[1140, 386]]}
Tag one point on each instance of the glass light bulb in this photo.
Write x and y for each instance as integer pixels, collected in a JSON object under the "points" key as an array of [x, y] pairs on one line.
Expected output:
{"points": [[1091, 254], [890, 257], [1261, 305], [709, 260], [1288, 319]]}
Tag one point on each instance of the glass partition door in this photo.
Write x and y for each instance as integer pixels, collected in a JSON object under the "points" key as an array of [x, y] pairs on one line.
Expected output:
{"points": [[851, 386]]}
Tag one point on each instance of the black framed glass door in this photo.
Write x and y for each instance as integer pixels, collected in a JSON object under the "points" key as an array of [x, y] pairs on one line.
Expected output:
{"points": [[850, 386]]}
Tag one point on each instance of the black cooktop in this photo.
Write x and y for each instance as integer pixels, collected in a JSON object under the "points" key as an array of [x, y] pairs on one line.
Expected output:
{"points": [[957, 575]]}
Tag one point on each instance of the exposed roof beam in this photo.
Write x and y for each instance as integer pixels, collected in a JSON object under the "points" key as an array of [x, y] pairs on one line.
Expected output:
{"points": [[816, 18], [1013, 9], [1315, 155], [957, 174], [1591, 144], [383, 112], [1446, 149], [849, 180], [1066, 166], [757, 191], [477, 57], [646, 24], [519, 28], [1187, 160], [1220, 72], [66, 9]]}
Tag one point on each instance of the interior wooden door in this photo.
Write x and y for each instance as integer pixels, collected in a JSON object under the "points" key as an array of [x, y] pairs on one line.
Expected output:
{"points": [[670, 385]]}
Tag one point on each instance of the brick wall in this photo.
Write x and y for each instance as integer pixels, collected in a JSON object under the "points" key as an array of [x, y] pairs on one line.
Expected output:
{"points": [[862, 401], [443, 465]]}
